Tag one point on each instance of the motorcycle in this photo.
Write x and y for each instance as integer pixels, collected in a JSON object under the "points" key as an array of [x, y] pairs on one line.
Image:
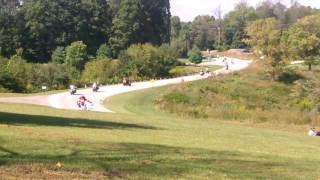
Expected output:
{"points": [[95, 89], [126, 82], [85, 105], [73, 91]]}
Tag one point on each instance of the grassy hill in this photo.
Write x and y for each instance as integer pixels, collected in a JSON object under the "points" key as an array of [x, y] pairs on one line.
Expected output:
{"points": [[249, 95], [141, 142]]}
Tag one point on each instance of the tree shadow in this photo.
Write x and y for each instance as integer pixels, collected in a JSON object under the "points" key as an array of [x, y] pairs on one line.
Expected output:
{"points": [[125, 160], [22, 119]]}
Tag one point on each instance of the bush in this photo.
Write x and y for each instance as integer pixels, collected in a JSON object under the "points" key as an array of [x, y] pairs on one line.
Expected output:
{"points": [[177, 97], [58, 55], [289, 76], [100, 70], [76, 55], [104, 52], [195, 55], [147, 61]]}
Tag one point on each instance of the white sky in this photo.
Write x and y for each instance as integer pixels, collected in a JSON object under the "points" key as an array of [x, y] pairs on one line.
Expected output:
{"points": [[187, 10]]}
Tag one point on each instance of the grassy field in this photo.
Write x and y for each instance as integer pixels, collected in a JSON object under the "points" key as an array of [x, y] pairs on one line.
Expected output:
{"points": [[141, 142]]}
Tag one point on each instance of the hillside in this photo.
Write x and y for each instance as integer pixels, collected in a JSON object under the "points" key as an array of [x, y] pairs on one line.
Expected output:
{"points": [[249, 95]]}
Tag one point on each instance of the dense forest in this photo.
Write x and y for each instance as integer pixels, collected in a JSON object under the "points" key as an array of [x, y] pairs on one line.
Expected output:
{"points": [[55, 43]]}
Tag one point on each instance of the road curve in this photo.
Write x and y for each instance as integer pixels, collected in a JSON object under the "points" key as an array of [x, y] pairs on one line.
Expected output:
{"points": [[67, 101]]}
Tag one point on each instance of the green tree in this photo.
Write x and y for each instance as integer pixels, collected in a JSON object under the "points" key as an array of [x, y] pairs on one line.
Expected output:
{"points": [[16, 68], [203, 32], [235, 23], [195, 55], [49, 24], [100, 70], [76, 55], [265, 9], [104, 52], [58, 55], [148, 61], [265, 39], [140, 21], [11, 27], [175, 27], [304, 40]]}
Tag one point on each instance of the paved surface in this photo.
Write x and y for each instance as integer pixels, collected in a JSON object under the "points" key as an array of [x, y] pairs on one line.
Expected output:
{"points": [[67, 101]]}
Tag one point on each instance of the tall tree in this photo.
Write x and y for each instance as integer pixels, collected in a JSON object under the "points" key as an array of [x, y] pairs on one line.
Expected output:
{"points": [[265, 9], [175, 27], [11, 27], [203, 32], [304, 40], [235, 23], [140, 21], [58, 23], [265, 39]]}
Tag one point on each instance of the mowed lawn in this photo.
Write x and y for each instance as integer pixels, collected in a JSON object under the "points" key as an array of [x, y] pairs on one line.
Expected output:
{"points": [[139, 142]]}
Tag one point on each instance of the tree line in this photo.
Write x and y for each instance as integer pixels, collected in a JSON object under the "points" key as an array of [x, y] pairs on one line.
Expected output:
{"points": [[40, 26], [221, 33], [56, 43]]}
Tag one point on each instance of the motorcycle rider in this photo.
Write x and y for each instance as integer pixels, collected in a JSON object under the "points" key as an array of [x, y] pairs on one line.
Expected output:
{"points": [[82, 102], [95, 87], [73, 89]]}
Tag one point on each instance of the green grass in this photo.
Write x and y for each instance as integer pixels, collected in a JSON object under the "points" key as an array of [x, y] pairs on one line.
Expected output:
{"points": [[184, 60], [97, 145], [141, 142], [188, 70], [30, 94]]}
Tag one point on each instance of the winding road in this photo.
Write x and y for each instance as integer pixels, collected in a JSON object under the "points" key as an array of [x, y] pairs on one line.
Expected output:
{"points": [[67, 101]]}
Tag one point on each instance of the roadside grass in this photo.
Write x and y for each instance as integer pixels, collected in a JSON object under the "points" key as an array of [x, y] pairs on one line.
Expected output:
{"points": [[189, 70], [243, 56], [31, 94]]}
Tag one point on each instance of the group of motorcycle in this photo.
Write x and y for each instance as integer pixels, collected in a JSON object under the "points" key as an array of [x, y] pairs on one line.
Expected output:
{"points": [[83, 103]]}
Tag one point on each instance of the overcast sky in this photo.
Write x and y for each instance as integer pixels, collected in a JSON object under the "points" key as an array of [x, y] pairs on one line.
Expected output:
{"points": [[187, 10]]}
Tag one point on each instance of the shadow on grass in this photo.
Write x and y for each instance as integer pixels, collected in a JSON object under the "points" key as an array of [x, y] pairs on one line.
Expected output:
{"points": [[126, 160], [22, 119]]}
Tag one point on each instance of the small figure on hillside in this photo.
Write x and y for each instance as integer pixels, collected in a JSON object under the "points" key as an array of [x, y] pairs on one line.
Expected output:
{"points": [[313, 132]]}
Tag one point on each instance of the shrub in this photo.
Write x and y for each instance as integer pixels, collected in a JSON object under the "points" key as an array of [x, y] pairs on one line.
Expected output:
{"points": [[100, 70], [59, 55], [177, 97], [148, 61], [76, 55], [104, 52], [195, 55]]}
